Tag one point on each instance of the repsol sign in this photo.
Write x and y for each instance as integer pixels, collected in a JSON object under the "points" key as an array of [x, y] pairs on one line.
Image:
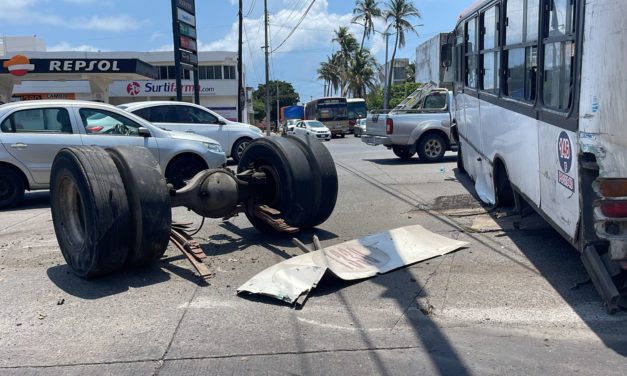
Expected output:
{"points": [[20, 65], [84, 66]]}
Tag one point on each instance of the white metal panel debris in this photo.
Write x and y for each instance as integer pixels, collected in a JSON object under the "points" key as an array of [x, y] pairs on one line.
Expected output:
{"points": [[356, 259]]}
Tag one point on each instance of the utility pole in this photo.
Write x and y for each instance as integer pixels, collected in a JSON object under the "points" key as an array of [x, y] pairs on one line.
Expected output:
{"points": [[386, 90], [277, 104], [268, 119], [241, 98], [178, 70]]}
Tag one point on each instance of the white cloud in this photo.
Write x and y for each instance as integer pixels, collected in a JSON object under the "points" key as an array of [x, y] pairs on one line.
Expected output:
{"points": [[315, 32], [26, 12], [65, 46], [110, 23]]}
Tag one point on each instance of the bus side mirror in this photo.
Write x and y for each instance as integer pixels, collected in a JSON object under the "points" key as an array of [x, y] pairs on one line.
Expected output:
{"points": [[446, 50]]}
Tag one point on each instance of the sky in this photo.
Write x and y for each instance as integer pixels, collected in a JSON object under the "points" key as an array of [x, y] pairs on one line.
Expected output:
{"points": [[146, 25]]}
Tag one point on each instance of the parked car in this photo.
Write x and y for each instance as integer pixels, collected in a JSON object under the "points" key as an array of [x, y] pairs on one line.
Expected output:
{"points": [[419, 124], [360, 127], [32, 132], [313, 128], [192, 118]]}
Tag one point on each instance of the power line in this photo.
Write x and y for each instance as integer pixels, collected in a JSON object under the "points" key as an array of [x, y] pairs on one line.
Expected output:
{"points": [[295, 27], [252, 6], [289, 17], [250, 53]]}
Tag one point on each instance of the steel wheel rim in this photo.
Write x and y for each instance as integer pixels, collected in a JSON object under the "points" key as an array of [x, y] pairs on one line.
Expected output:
{"points": [[433, 148], [73, 217], [241, 147], [272, 191]]}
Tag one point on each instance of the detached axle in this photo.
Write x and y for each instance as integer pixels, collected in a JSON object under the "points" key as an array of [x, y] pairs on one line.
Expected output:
{"points": [[111, 208]]}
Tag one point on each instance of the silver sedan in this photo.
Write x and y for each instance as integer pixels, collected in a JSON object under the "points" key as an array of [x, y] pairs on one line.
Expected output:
{"points": [[33, 132]]}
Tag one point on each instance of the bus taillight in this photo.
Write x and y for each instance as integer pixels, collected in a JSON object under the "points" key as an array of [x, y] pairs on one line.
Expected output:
{"points": [[613, 187], [614, 209], [389, 126]]}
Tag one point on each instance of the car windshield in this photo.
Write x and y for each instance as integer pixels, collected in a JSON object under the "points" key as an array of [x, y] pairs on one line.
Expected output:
{"points": [[315, 124]]}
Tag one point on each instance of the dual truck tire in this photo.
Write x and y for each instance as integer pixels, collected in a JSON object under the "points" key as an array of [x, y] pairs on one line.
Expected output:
{"points": [[111, 207]]}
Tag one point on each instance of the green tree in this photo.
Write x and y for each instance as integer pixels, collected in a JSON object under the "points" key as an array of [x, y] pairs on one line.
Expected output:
{"points": [[348, 47], [329, 73], [361, 74], [374, 99], [287, 97], [366, 11], [397, 14]]}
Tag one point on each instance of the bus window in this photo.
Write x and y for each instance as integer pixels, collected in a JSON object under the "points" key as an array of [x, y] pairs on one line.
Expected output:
{"points": [[559, 52], [557, 75], [490, 54], [561, 17], [521, 52], [521, 73], [471, 53]]}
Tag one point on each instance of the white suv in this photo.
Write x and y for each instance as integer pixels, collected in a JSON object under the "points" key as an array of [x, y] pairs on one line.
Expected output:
{"points": [[192, 118], [33, 132]]}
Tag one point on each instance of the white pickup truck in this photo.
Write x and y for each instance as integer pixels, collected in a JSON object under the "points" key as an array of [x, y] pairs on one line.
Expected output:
{"points": [[421, 123]]}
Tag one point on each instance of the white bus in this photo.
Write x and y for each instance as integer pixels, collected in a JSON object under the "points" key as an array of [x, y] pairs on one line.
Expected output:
{"points": [[540, 90]]}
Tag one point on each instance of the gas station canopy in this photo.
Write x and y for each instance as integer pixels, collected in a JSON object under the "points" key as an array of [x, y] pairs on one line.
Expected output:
{"points": [[100, 72]]}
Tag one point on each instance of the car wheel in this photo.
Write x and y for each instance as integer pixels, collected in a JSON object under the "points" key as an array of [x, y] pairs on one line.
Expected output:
{"points": [[404, 152], [238, 148], [290, 184], [149, 203], [322, 164], [90, 212], [11, 188], [183, 168], [431, 147]]}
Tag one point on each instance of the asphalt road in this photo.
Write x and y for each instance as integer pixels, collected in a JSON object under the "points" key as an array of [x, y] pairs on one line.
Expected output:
{"points": [[506, 304]]}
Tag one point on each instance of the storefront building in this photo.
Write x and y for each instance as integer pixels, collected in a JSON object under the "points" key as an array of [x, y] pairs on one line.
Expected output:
{"points": [[111, 77]]}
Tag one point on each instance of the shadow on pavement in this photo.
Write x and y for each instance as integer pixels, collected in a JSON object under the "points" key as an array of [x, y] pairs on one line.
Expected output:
{"points": [[33, 200], [101, 287], [393, 161], [562, 268], [247, 237]]}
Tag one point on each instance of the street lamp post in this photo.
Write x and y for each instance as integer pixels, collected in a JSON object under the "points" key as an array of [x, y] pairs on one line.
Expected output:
{"points": [[386, 95]]}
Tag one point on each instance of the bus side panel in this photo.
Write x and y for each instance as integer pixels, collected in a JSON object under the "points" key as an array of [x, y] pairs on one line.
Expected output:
{"points": [[513, 137], [559, 177], [470, 129], [603, 108]]}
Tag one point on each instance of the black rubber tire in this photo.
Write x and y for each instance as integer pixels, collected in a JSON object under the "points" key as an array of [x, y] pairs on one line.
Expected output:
{"points": [[238, 148], [90, 212], [322, 164], [183, 168], [11, 188], [148, 200], [431, 148], [504, 192], [296, 193], [404, 152], [460, 160]]}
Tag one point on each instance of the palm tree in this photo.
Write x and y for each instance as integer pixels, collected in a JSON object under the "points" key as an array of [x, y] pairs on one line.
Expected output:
{"points": [[366, 11], [398, 12], [329, 73], [361, 75], [348, 46]]}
